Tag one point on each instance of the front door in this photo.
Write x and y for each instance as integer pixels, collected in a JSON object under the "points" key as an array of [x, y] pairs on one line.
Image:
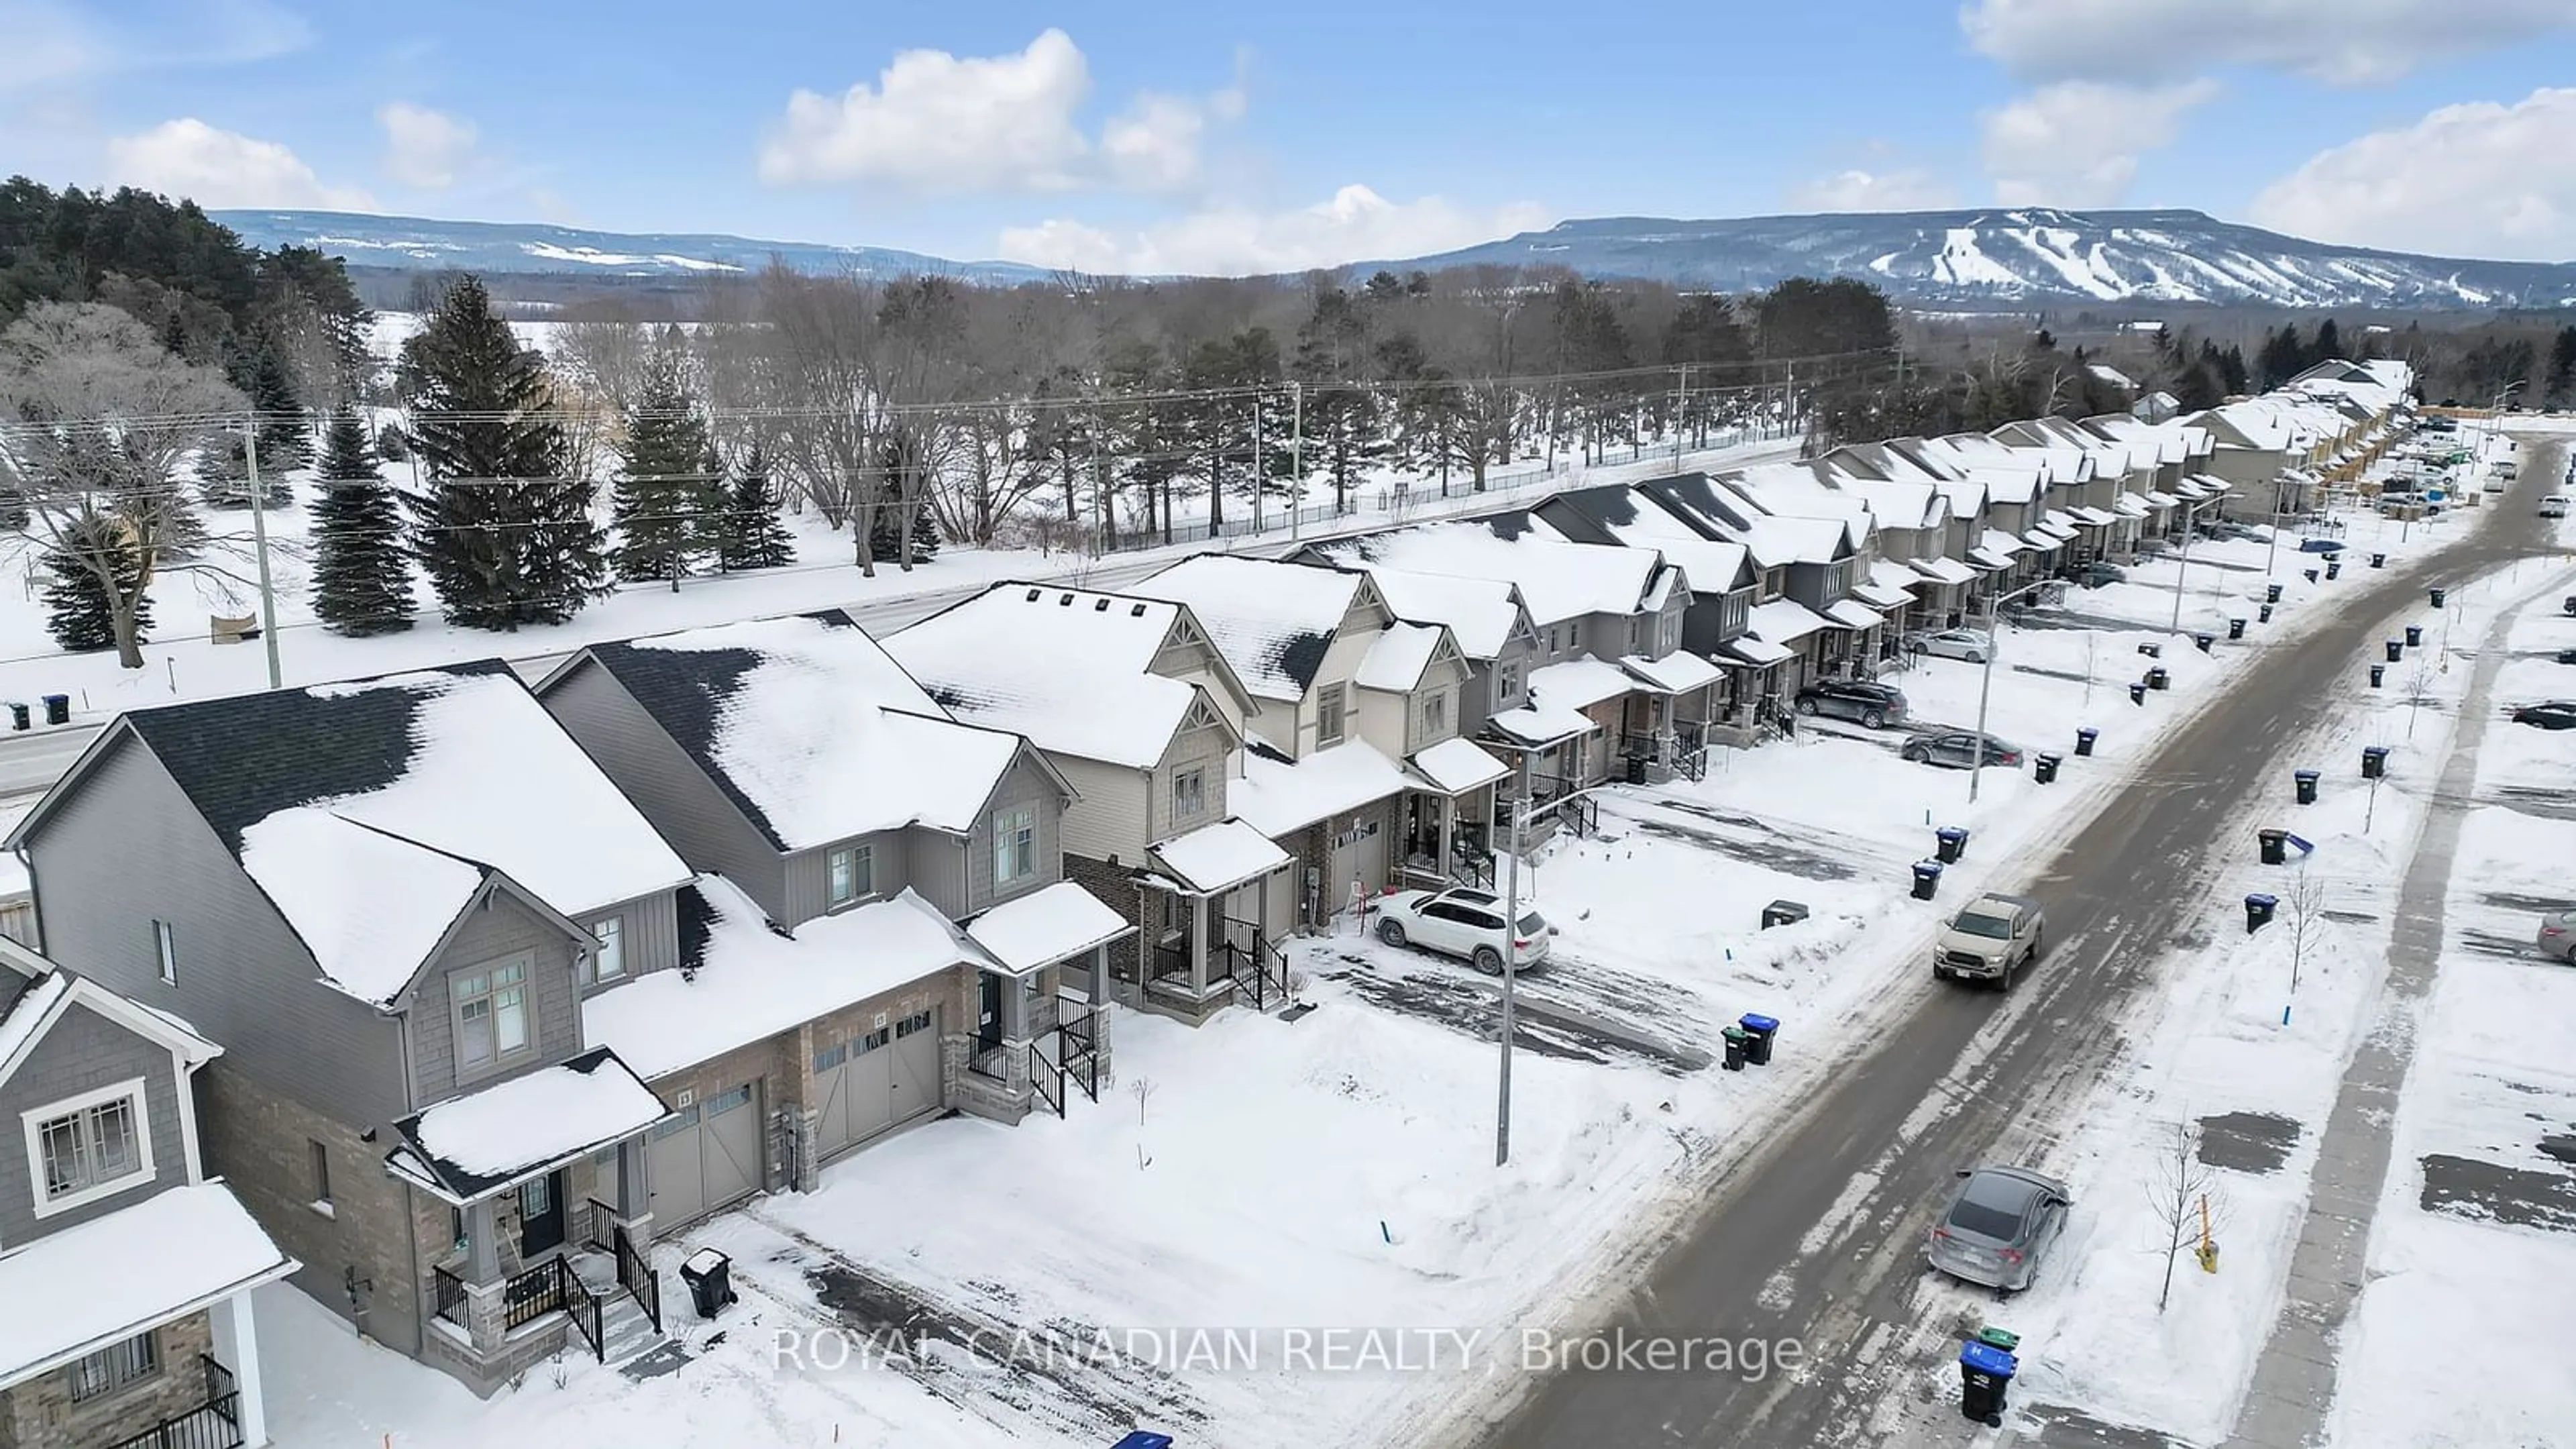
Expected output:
{"points": [[541, 1216], [988, 1012]]}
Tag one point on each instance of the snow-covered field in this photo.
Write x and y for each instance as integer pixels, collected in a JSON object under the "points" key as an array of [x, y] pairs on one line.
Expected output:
{"points": [[1336, 1172]]}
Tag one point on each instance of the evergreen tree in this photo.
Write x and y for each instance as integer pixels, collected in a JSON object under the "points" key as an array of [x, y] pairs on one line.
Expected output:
{"points": [[2327, 346], [2282, 357], [508, 539], [884, 542], [2562, 366], [391, 445], [667, 502], [77, 611], [753, 537], [285, 432], [361, 577]]}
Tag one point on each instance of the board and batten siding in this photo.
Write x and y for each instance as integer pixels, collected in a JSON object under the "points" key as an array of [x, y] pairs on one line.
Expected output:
{"points": [[84, 1052], [1108, 820], [1026, 784], [704, 826], [126, 847], [649, 930], [496, 930], [892, 867]]}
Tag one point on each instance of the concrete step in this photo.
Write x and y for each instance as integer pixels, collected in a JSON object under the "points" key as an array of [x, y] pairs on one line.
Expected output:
{"points": [[624, 1331]]}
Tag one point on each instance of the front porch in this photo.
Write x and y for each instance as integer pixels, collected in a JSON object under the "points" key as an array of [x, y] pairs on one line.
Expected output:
{"points": [[1209, 899], [1448, 815], [1040, 1034], [1664, 730]]}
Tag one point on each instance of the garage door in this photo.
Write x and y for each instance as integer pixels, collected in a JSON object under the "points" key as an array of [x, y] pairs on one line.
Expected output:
{"points": [[707, 1156], [916, 1066], [854, 1082], [1359, 854]]}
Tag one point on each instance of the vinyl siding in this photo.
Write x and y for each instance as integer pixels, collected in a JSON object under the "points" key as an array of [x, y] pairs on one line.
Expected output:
{"points": [[500, 928], [1108, 822], [1025, 785], [127, 847], [1341, 661], [651, 933], [939, 868], [666, 785], [82, 1052], [1201, 749], [891, 868]]}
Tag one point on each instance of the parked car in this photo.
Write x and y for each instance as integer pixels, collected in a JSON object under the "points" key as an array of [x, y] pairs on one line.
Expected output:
{"points": [[2554, 506], [1958, 750], [2321, 545], [2567, 656], [1465, 923], [1999, 1224], [1874, 706], [2508, 469], [2558, 935], [1992, 937], [1969, 644], [2548, 714], [2226, 529], [2094, 575]]}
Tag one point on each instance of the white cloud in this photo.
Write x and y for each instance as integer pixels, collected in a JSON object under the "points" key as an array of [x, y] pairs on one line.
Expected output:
{"points": [[49, 43], [1356, 225], [424, 148], [1910, 189], [2346, 42], [2077, 143], [2479, 180], [188, 158], [936, 123]]}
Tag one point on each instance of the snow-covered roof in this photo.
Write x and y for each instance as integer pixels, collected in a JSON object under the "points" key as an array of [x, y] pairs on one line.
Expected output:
{"points": [[1578, 684], [2112, 375], [1396, 661], [1455, 766], [1899, 505], [1966, 496], [811, 729], [74, 1292], [1758, 653], [1479, 613], [1675, 673], [2097, 517], [752, 981], [1999, 542], [1537, 725], [1070, 669], [2130, 505], [1640, 519], [370, 906], [1557, 580], [1216, 858], [1880, 596], [1784, 621], [1943, 570], [21, 1019], [471, 1146], [1852, 614], [1986, 558], [2160, 500], [1046, 926], [1272, 621], [1278, 797]]}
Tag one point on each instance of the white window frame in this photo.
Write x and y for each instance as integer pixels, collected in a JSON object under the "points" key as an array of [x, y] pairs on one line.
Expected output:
{"points": [[1507, 681], [317, 1164], [608, 949], [1015, 834], [1332, 715], [863, 875], [1191, 803], [115, 1383], [1432, 719], [35, 1120], [501, 1056], [165, 951]]}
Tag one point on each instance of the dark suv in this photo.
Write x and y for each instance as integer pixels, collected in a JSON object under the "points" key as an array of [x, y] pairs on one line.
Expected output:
{"points": [[1874, 706]]}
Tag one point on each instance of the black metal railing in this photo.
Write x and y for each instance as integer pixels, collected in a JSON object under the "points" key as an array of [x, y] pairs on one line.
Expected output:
{"points": [[219, 1379], [635, 1272], [584, 1306], [215, 1424], [1171, 961], [1259, 967], [1078, 1050], [447, 1296], [1473, 868], [1041, 1072], [533, 1294], [603, 1224]]}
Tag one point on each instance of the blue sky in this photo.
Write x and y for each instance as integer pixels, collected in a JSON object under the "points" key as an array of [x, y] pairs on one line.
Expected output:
{"points": [[1158, 136]]}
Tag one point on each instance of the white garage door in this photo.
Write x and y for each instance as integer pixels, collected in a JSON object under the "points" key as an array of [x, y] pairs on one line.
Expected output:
{"points": [[1359, 854], [854, 1083], [707, 1156]]}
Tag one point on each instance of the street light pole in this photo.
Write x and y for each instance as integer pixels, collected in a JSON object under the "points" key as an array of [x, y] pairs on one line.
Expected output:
{"points": [[1511, 975], [2179, 570], [1985, 692]]}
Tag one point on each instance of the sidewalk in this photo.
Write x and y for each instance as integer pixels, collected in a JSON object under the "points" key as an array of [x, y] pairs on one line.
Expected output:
{"points": [[2294, 1381]]}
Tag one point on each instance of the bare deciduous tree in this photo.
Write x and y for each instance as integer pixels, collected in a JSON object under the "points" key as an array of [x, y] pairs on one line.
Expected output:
{"points": [[2307, 905], [2180, 1190], [98, 419]]}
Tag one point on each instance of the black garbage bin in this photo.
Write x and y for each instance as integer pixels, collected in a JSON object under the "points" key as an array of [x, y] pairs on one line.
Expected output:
{"points": [[2152, 651], [1759, 1031], [1985, 1379], [2044, 769], [58, 709], [19, 717], [2438, 596], [1739, 1044], [2414, 636], [2379, 560], [1636, 769], [2312, 575], [2396, 650], [2202, 642], [2374, 761], [2334, 568], [2304, 782], [2137, 694], [2271, 593], [1949, 843], [2258, 911], [1927, 879], [2158, 679], [2263, 614], [2235, 628], [709, 1275], [2276, 846], [2378, 672], [2084, 739], [1783, 913]]}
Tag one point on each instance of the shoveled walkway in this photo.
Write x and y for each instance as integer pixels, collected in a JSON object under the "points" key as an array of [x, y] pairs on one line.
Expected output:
{"points": [[2294, 1381]]}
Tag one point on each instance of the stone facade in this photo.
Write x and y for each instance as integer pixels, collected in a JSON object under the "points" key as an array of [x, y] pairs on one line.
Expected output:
{"points": [[1116, 888], [40, 1413]]}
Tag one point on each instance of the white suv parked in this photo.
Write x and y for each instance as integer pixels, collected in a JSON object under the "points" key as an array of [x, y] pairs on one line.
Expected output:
{"points": [[1465, 923]]}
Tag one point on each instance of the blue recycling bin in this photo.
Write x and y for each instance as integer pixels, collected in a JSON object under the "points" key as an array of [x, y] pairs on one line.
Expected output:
{"points": [[2084, 739], [1985, 1378], [2258, 911], [1143, 1440], [2304, 782], [1927, 879], [2374, 761], [1759, 1031], [58, 709], [1949, 843], [2396, 650]]}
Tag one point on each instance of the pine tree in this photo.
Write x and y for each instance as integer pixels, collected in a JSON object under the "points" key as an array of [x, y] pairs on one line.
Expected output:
{"points": [[77, 612], [285, 432], [2327, 346], [884, 542], [361, 578], [506, 537], [753, 537], [666, 498]]}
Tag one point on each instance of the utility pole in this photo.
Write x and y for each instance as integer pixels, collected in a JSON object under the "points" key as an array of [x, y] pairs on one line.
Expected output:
{"points": [[2181, 569], [1296, 460], [259, 537], [1681, 417], [1985, 692], [1511, 972], [1260, 478]]}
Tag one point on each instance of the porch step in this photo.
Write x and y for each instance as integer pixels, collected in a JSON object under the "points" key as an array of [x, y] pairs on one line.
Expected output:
{"points": [[624, 1332]]}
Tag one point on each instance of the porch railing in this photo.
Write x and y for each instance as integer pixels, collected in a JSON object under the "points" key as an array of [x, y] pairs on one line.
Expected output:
{"points": [[219, 1379], [447, 1296], [1169, 961], [214, 1424], [1077, 1050], [603, 1226], [1040, 1072], [1259, 967], [533, 1294], [635, 1271], [584, 1306]]}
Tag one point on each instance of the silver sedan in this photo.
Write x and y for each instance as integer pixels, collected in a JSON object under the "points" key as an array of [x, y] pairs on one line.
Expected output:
{"points": [[1999, 1223], [2557, 935]]}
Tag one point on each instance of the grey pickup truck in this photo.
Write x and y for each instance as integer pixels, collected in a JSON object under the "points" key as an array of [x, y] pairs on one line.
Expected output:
{"points": [[1991, 939]]}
